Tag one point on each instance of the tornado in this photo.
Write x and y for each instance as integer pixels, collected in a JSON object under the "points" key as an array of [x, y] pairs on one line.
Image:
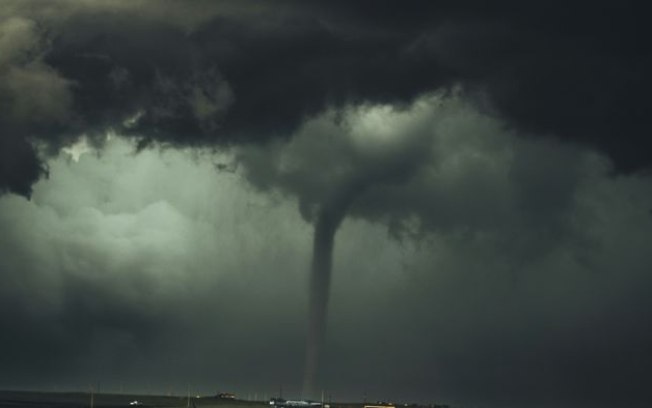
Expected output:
{"points": [[329, 217], [391, 166]]}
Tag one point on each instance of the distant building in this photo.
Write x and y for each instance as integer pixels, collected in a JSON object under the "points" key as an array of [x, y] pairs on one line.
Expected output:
{"points": [[226, 395]]}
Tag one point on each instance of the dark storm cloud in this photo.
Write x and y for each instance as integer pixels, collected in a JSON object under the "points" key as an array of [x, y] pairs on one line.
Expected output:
{"points": [[564, 69], [418, 170], [207, 74], [23, 76]]}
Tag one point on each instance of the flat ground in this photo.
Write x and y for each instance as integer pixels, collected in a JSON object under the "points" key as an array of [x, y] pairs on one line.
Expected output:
{"points": [[27, 399]]}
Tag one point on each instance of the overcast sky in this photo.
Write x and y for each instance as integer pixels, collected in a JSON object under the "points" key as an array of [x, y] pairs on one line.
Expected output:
{"points": [[483, 171]]}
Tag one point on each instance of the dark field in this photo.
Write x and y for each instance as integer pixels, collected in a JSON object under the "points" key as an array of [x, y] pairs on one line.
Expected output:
{"points": [[34, 399], [27, 399]]}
